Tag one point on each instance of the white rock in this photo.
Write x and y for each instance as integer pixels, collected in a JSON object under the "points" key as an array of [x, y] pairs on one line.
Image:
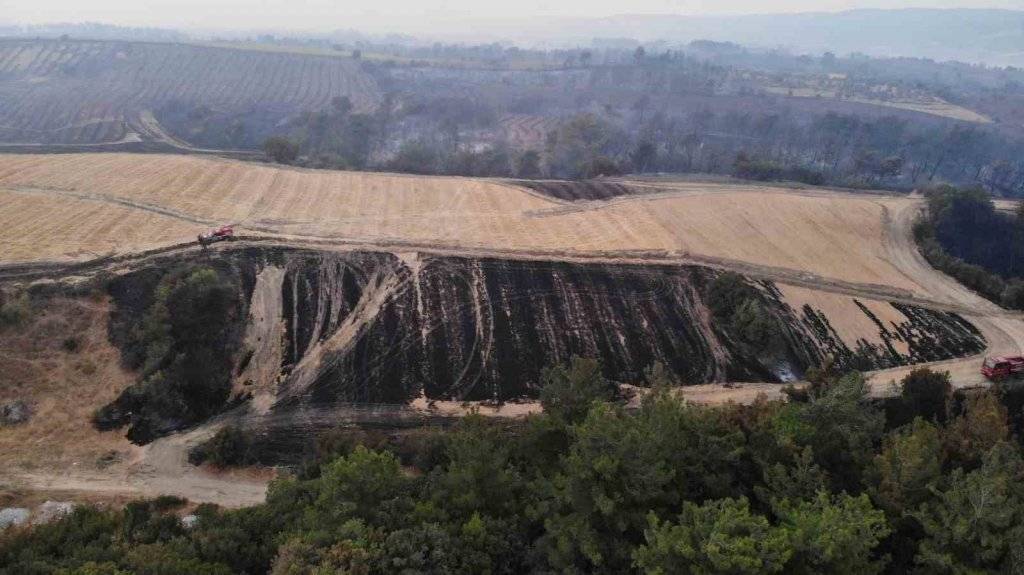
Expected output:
{"points": [[52, 510], [13, 516]]}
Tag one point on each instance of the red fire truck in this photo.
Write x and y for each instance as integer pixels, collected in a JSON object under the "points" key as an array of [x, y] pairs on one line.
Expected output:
{"points": [[1005, 367]]}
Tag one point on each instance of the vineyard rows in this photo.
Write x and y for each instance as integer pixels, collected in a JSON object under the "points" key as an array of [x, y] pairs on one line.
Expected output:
{"points": [[73, 92]]}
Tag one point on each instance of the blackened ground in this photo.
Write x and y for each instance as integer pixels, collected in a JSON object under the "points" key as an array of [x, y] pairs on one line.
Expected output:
{"points": [[370, 328], [578, 191]]}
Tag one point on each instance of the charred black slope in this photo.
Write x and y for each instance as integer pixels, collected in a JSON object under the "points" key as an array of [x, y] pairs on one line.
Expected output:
{"points": [[579, 190], [479, 329], [379, 328]]}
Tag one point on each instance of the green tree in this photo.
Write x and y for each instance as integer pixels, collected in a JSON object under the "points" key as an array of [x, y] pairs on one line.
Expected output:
{"points": [[479, 476], [843, 426], [281, 149], [185, 346], [803, 479], [623, 466], [738, 305], [576, 144], [975, 524], [567, 392], [168, 559], [350, 553], [971, 435], [720, 536], [908, 466], [426, 549], [416, 157], [833, 534], [926, 393], [94, 568], [356, 486], [643, 156], [527, 165], [756, 327]]}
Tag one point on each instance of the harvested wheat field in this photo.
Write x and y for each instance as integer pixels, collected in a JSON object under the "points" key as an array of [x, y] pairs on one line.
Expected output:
{"points": [[72, 206]]}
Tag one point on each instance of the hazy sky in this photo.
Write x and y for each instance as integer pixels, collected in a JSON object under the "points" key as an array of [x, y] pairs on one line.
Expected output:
{"points": [[375, 14]]}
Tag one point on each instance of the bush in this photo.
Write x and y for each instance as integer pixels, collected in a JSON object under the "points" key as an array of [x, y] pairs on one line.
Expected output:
{"points": [[925, 394], [281, 149], [229, 447], [70, 344], [15, 310], [184, 344], [739, 307], [1013, 295]]}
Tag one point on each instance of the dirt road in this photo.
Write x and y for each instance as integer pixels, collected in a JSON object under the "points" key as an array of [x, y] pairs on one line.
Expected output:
{"points": [[160, 468]]}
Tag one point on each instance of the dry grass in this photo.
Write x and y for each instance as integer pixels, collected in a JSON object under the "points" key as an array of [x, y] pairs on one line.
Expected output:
{"points": [[42, 226], [173, 198], [62, 387], [848, 321]]}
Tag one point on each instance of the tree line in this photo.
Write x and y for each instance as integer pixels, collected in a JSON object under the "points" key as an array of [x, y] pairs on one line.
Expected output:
{"points": [[830, 481], [673, 112], [963, 235]]}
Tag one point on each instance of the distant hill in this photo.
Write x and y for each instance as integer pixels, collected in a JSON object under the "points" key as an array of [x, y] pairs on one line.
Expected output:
{"points": [[993, 37], [990, 36]]}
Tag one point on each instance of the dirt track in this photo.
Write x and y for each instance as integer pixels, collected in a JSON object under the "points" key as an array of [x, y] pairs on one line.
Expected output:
{"points": [[834, 243]]}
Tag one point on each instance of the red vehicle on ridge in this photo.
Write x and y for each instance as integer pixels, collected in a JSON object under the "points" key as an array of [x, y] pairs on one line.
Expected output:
{"points": [[1000, 368], [220, 234]]}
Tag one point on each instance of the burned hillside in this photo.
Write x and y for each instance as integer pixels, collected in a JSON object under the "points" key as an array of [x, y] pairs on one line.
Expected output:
{"points": [[327, 328]]}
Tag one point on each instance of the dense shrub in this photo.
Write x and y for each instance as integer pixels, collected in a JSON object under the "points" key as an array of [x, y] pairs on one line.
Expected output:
{"points": [[231, 446], [184, 344], [965, 237], [765, 171], [741, 310], [281, 149], [15, 309]]}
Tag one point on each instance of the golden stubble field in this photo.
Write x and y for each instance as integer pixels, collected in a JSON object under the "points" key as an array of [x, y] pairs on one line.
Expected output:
{"points": [[73, 207]]}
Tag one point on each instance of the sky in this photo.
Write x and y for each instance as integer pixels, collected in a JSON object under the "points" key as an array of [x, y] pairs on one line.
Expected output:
{"points": [[378, 15]]}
